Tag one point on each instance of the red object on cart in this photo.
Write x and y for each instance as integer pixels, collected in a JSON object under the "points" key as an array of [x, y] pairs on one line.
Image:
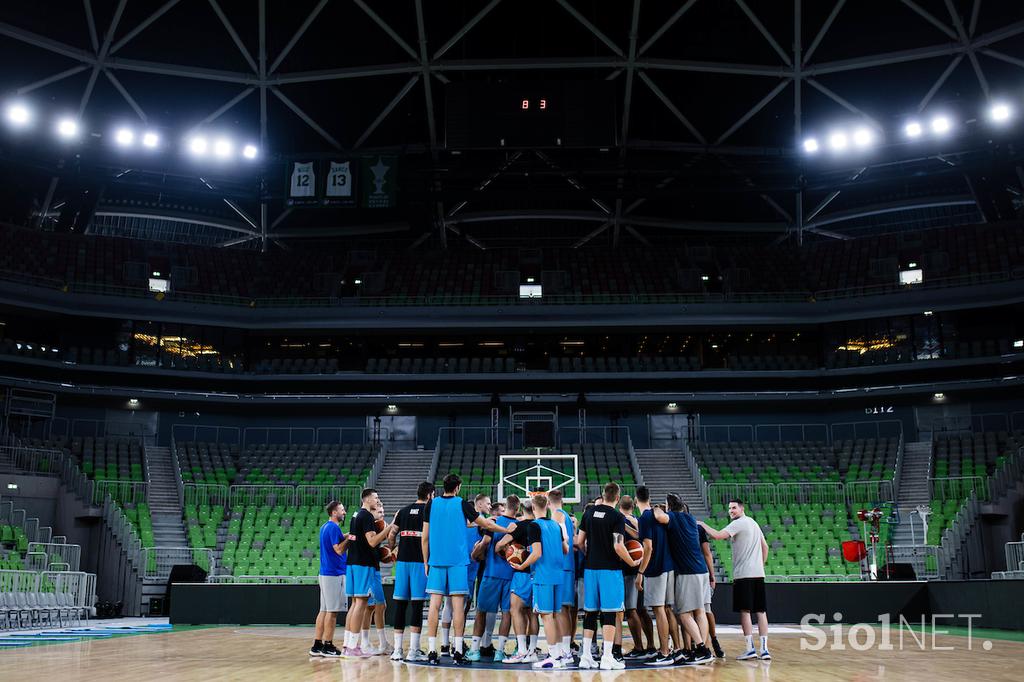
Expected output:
{"points": [[854, 551]]}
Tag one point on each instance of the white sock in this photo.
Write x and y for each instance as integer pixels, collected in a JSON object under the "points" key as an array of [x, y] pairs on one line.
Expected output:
{"points": [[533, 642], [475, 644], [414, 641], [566, 643], [485, 641], [458, 643], [398, 639], [750, 641], [432, 643], [587, 643], [521, 642], [348, 639], [364, 639], [444, 635], [501, 643], [764, 643], [608, 649], [489, 622]]}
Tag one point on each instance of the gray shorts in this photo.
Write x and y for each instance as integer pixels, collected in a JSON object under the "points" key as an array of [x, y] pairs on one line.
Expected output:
{"points": [[690, 590], [332, 593], [659, 590], [631, 593], [708, 593], [579, 593]]}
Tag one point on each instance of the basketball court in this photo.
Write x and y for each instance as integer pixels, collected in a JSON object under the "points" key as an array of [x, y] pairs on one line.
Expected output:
{"points": [[279, 653]]}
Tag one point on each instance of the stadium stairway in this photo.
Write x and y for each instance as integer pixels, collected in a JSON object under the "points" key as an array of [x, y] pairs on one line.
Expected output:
{"points": [[165, 509], [916, 468], [403, 470], [665, 471]]}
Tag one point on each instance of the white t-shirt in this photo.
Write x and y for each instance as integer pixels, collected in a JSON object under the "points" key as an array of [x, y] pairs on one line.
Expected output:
{"points": [[746, 538]]}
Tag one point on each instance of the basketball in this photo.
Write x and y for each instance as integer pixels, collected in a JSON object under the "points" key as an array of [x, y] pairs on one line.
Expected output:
{"points": [[515, 554], [379, 525], [635, 549], [387, 555]]}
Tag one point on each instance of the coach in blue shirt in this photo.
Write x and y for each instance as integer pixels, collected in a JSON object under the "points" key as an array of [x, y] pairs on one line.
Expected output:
{"points": [[333, 544]]}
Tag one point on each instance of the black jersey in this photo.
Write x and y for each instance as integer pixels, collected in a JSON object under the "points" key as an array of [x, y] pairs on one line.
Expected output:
{"points": [[601, 523], [410, 532]]}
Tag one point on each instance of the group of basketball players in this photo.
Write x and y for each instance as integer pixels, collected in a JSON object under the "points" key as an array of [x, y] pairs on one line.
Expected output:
{"points": [[450, 550]]}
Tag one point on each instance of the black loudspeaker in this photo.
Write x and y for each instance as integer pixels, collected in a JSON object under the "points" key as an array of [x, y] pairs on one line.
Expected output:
{"points": [[897, 572], [538, 434], [181, 573]]}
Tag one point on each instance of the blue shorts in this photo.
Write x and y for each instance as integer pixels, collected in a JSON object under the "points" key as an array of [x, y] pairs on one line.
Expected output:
{"points": [[359, 580], [522, 586], [377, 595], [494, 595], [547, 598], [471, 573], [447, 580], [603, 590], [568, 589], [410, 581]]}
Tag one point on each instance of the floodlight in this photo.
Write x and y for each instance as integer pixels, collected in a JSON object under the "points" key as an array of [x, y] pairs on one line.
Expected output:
{"points": [[941, 125], [198, 145], [1000, 112], [222, 148], [838, 141], [249, 151], [124, 137], [19, 115], [150, 140], [913, 129], [862, 137], [810, 145], [67, 128]]}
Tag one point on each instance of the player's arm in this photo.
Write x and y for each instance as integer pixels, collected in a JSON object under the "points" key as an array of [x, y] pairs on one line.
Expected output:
{"points": [[648, 552], [660, 516], [504, 541], [375, 539], [631, 529], [581, 541], [479, 552], [619, 543], [705, 548], [340, 547], [764, 550], [565, 538], [723, 534], [487, 524], [425, 545], [530, 560]]}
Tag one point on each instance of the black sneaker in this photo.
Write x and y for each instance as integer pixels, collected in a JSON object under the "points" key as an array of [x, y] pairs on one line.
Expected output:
{"points": [[661, 661], [487, 651], [316, 650], [682, 657], [650, 654], [330, 651], [635, 655], [717, 647], [459, 658], [433, 658], [701, 654], [445, 650], [574, 649]]}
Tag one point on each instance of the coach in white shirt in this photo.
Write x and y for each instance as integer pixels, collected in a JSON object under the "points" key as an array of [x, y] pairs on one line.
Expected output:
{"points": [[749, 553]]}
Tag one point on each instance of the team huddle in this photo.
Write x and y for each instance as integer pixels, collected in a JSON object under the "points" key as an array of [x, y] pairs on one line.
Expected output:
{"points": [[529, 562]]}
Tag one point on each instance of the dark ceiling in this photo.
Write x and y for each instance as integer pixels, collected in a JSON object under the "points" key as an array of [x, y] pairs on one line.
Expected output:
{"points": [[712, 100]]}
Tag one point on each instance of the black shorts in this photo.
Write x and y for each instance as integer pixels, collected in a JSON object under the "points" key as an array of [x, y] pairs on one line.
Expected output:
{"points": [[748, 595]]}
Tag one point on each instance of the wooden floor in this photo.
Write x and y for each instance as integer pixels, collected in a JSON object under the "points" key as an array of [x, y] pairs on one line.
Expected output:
{"points": [[279, 654]]}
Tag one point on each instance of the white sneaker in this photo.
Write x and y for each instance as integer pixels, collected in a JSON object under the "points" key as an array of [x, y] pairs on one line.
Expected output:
{"points": [[612, 663], [516, 658], [747, 655], [549, 664], [396, 655], [415, 656], [531, 657], [371, 651], [385, 650], [765, 655], [587, 663]]}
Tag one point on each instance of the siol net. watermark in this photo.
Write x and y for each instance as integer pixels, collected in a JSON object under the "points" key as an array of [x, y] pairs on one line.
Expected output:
{"points": [[910, 634]]}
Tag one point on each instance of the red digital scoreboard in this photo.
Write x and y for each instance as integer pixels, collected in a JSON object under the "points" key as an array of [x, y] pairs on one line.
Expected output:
{"points": [[530, 115]]}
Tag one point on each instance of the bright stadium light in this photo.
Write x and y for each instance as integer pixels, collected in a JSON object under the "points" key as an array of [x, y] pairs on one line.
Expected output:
{"points": [[198, 145], [124, 137], [67, 128], [1000, 112], [941, 125], [249, 151], [150, 140], [19, 115], [862, 137], [913, 129], [811, 145], [838, 141], [222, 148]]}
